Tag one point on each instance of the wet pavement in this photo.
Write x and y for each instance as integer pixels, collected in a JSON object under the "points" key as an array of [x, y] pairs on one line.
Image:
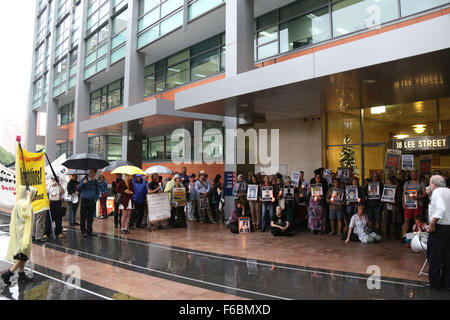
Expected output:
{"points": [[253, 279]]}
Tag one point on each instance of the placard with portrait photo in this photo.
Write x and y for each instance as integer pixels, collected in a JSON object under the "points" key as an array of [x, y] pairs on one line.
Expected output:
{"points": [[374, 190], [317, 190], [252, 192], [388, 193], [267, 193], [351, 193], [288, 192], [408, 195]]}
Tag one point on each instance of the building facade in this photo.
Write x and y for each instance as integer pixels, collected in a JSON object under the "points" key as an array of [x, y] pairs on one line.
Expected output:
{"points": [[118, 77]]}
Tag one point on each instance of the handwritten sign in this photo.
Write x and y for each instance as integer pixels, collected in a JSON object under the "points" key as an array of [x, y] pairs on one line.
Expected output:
{"points": [[158, 207]]}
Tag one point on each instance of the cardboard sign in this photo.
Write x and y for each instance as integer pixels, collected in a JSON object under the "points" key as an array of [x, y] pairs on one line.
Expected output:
{"points": [[338, 196], [343, 173], [409, 202], [374, 190], [109, 207], [179, 196], [295, 178], [252, 192], [7, 189], [388, 193], [392, 159], [407, 162], [158, 207], [267, 193], [351, 193], [288, 192], [244, 225], [204, 202], [316, 190]]}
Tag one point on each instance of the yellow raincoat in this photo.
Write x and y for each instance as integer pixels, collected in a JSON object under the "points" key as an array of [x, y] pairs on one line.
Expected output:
{"points": [[20, 227]]}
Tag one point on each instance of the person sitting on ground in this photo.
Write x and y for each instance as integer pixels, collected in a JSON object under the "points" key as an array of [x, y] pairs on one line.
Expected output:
{"points": [[419, 226], [279, 224], [358, 231], [236, 213]]}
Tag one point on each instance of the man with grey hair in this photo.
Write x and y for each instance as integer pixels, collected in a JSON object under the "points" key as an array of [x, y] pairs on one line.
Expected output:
{"points": [[438, 247]]}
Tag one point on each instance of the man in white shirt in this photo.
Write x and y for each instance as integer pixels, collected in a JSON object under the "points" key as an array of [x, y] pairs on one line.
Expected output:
{"points": [[438, 247]]}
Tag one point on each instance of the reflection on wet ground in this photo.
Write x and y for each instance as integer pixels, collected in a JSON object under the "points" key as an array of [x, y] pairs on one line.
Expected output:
{"points": [[247, 278]]}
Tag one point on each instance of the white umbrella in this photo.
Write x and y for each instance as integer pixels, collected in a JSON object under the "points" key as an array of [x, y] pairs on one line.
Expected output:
{"points": [[158, 170]]}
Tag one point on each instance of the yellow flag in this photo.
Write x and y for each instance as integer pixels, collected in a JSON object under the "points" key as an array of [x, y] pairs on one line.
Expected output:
{"points": [[35, 172]]}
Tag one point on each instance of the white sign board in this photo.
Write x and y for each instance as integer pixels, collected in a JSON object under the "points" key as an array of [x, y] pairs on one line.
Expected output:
{"points": [[158, 207], [7, 189]]}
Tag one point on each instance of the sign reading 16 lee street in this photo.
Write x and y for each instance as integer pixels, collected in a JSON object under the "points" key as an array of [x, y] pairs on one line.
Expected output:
{"points": [[422, 143]]}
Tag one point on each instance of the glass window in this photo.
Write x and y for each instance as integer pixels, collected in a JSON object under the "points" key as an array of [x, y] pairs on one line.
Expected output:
{"points": [[179, 57], [156, 150], [268, 50], [298, 7], [384, 123], [120, 22], [374, 158], [115, 94], [170, 6], [95, 102], [149, 19], [201, 6], [205, 45], [353, 15], [309, 29], [147, 5], [341, 124], [413, 6], [149, 82], [114, 148], [178, 75], [268, 35], [444, 116], [205, 65], [266, 20], [172, 23]]}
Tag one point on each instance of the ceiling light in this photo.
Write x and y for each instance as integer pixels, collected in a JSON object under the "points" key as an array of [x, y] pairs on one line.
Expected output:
{"points": [[419, 128], [243, 105], [378, 110], [369, 81], [401, 136]]}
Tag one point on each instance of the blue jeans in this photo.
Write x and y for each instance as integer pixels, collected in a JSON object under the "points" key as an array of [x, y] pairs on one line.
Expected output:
{"points": [[73, 207], [266, 205]]}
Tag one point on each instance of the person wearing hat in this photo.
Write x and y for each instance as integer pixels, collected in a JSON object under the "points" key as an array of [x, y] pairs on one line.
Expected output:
{"points": [[177, 216], [192, 198], [202, 188]]}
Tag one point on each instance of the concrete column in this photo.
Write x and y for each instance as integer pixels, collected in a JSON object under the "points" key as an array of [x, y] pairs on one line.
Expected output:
{"points": [[82, 91], [230, 123], [52, 105], [239, 36], [31, 120], [133, 81]]}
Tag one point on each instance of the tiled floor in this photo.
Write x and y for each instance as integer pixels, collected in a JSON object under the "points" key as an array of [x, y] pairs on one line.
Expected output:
{"points": [[208, 262]]}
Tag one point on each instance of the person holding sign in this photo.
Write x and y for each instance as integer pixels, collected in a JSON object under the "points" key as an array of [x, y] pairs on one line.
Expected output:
{"points": [[279, 223], [394, 210], [290, 196], [238, 212], [267, 202], [19, 247], [154, 188], [55, 193], [419, 189], [126, 188], [202, 188], [254, 201], [335, 207], [373, 204], [177, 196], [316, 217]]}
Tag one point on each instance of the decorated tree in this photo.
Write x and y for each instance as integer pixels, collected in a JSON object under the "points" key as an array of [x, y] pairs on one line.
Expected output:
{"points": [[347, 159]]}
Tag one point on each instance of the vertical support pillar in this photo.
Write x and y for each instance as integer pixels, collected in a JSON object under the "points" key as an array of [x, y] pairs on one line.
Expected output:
{"points": [[239, 36], [82, 91], [230, 123], [52, 105], [133, 80]]}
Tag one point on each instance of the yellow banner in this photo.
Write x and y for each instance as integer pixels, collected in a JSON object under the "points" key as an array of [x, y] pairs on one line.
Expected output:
{"points": [[35, 172]]}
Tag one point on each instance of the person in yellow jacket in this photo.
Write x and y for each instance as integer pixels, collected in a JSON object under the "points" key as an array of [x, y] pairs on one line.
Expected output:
{"points": [[19, 247]]}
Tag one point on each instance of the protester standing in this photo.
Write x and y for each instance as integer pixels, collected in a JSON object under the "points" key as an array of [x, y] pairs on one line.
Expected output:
{"points": [[72, 191], [255, 205], [117, 211], [438, 246], [316, 217], [413, 184], [267, 205], [55, 195], [19, 247], [202, 189], [103, 185], [139, 198], [192, 198], [374, 205], [154, 188], [178, 217], [126, 188], [335, 209], [90, 193]]}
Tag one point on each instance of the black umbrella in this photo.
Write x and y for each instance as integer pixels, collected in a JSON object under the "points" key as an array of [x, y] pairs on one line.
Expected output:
{"points": [[71, 172], [85, 161], [117, 164]]}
